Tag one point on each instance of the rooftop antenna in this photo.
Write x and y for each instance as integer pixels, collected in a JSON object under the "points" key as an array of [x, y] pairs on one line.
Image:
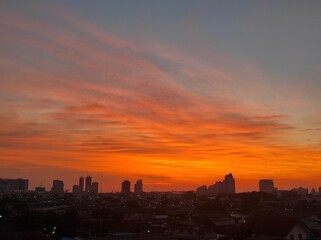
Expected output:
{"points": [[101, 183]]}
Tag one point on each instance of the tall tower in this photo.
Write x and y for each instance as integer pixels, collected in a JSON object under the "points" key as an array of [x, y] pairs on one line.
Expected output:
{"points": [[229, 183], [81, 184], [88, 184], [57, 186], [125, 187], [138, 187]]}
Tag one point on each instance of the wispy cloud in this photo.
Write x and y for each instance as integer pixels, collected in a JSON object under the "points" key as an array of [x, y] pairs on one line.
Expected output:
{"points": [[86, 99]]}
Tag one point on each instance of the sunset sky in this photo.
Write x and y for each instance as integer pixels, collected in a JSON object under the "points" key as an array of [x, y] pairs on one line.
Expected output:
{"points": [[177, 93]]}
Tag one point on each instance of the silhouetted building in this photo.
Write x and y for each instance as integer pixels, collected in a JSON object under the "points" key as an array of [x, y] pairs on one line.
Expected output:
{"points": [[212, 189], [13, 185], [75, 189], [202, 190], [266, 185], [225, 186], [81, 184], [88, 184], [40, 189], [94, 187], [229, 183], [319, 190], [300, 191], [22, 185], [138, 187], [125, 187], [57, 186], [221, 186]]}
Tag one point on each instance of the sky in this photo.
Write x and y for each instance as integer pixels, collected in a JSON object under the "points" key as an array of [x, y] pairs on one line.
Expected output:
{"points": [[177, 93]]}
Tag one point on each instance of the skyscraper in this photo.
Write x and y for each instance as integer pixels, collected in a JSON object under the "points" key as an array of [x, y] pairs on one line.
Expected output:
{"points": [[57, 186], [88, 184], [266, 185], [94, 187], [229, 183], [125, 187], [81, 184], [138, 187]]}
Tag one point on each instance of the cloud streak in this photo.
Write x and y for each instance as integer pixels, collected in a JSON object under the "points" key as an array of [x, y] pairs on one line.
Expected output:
{"points": [[86, 99]]}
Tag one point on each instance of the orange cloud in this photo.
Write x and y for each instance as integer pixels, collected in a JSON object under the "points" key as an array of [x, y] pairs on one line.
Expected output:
{"points": [[99, 104]]}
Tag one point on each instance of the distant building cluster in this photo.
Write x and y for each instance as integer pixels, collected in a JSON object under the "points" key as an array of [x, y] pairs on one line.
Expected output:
{"points": [[13, 185], [225, 186], [138, 187], [267, 186], [85, 186]]}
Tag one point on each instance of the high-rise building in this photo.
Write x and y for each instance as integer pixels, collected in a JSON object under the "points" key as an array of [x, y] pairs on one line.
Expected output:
{"points": [[88, 184], [75, 189], [81, 184], [57, 186], [225, 186], [94, 187], [229, 183], [125, 187], [266, 185], [13, 185], [138, 187]]}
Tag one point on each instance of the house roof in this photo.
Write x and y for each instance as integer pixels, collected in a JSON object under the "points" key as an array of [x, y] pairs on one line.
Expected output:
{"points": [[273, 226], [312, 222], [281, 226]]}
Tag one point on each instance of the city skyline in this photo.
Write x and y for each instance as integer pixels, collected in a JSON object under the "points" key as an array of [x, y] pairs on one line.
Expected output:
{"points": [[174, 94], [227, 186]]}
